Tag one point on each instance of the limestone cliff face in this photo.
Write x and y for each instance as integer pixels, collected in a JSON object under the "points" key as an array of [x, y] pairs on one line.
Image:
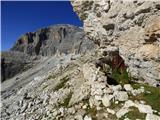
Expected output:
{"points": [[132, 27], [49, 41], [54, 39]]}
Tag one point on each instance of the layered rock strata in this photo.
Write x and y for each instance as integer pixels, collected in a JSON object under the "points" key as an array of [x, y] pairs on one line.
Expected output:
{"points": [[61, 39]]}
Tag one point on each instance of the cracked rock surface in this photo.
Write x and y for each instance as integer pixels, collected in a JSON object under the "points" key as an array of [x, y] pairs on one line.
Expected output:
{"points": [[133, 27]]}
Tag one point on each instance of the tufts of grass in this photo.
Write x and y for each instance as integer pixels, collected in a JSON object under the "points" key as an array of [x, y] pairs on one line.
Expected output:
{"points": [[92, 112], [115, 106], [66, 101], [134, 114], [152, 98], [62, 83], [122, 77], [51, 76]]}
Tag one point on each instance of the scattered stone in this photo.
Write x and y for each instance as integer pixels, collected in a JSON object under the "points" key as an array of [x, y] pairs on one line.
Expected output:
{"points": [[144, 108], [121, 95], [105, 115], [78, 117], [106, 100], [127, 119], [137, 91], [84, 106], [111, 111], [108, 91], [55, 113], [128, 87], [122, 112], [97, 97], [87, 118], [116, 102], [116, 88], [25, 105], [152, 117], [90, 72], [128, 104]]}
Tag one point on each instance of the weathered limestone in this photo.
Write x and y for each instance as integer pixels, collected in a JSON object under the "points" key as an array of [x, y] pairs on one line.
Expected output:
{"points": [[133, 27]]}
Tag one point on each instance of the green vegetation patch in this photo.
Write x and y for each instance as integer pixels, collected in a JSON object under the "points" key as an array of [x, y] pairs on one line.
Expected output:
{"points": [[134, 114], [115, 106], [92, 111], [51, 76], [62, 83], [121, 77], [66, 101], [151, 95]]}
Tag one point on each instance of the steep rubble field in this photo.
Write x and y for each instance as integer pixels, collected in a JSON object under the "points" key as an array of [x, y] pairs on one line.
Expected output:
{"points": [[78, 88]]}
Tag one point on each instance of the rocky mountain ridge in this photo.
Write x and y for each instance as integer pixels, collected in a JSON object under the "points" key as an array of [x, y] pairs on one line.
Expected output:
{"points": [[62, 39], [50, 41]]}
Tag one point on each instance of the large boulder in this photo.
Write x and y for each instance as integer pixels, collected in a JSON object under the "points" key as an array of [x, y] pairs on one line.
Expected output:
{"points": [[131, 26]]}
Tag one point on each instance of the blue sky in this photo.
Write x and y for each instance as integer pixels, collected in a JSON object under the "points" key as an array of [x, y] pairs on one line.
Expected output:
{"points": [[20, 17]]}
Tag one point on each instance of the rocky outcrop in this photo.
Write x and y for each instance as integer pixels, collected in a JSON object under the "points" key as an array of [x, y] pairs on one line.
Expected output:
{"points": [[54, 39], [132, 27], [13, 63]]}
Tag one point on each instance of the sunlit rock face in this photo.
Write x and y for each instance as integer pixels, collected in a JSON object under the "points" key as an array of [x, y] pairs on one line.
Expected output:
{"points": [[48, 41], [133, 26], [55, 40]]}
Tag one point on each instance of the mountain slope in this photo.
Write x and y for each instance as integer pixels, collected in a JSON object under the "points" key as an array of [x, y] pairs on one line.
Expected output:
{"points": [[48, 41]]}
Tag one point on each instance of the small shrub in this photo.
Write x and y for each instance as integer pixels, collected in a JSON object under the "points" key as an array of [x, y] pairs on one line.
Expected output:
{"points": [[134, 114], [62, 83], [122, 77], [115, 106], [66, 100], [51, 76], [152, 98], [92, 112]]}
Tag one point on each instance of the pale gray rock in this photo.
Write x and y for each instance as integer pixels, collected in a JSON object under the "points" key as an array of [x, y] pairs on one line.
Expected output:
{"points": [[128, 87], [152, 117], [129, 103], [87, 118], [106, 100], [122, 112], [110, 111], [131, 27], [13, 63], [25, 105], [116, 88], [59, 38], [78, 117], [90, 72], [137, 91], [121, 95], [144, 108]]}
